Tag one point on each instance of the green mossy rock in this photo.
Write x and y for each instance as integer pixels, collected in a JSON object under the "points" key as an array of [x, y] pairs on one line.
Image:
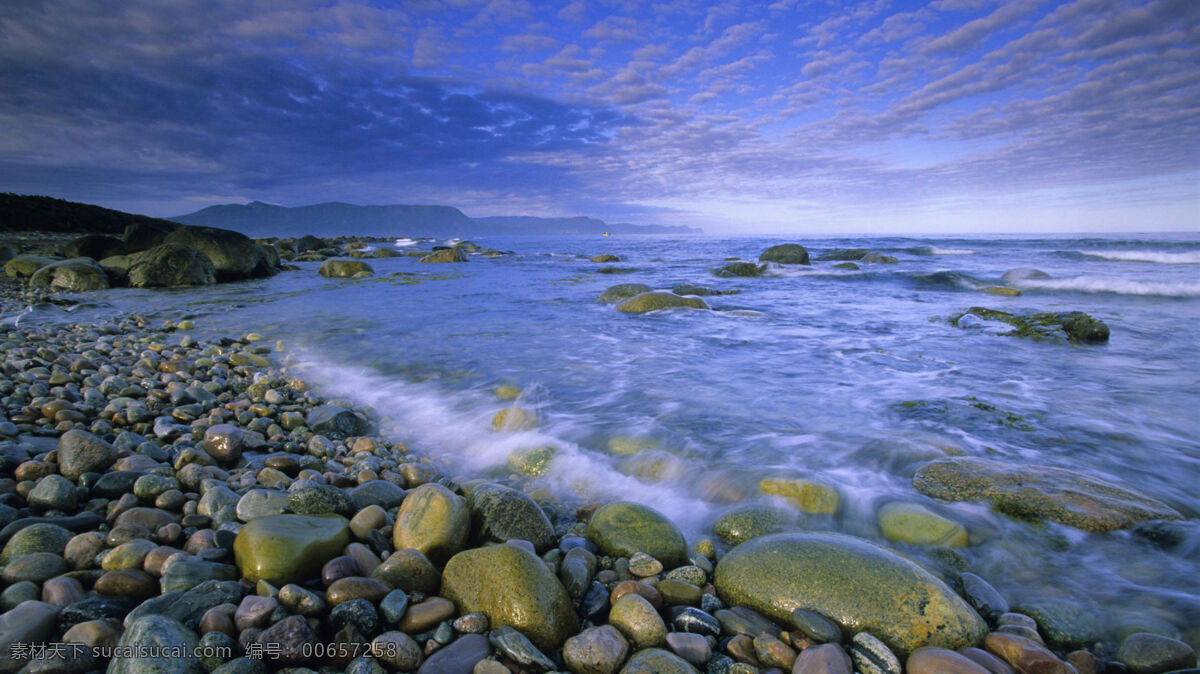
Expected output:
{"points": [[234, 255], [337, 268], [512, 587], [514, 419], [500, 513], [811, 497], [446, 255], [744, 269], [862, 586], [915, 524], [749, 522], [622, 291], [785, 253], [284, 549], [172, 265], [24, 266], [604, 258], [656, 300], [434, 521], [76, 274], [1074, 327], [878, 258], [1040, 493], [623, 528], [657, 661]]}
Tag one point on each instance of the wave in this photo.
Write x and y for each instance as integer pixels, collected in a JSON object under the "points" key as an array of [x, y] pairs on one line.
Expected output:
{"points": [[405, 242], [1117, 286], [947, 280], [934, 250], [1189, 257]]}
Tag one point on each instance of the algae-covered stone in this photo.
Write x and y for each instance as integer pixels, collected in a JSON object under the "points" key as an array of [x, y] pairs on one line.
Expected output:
{"points": [[810, 497], [623, 528], [1040, 492], [747, 522], [24, 266], [446, 255], [746, 269], [878, 258], [514, 419], [336, 421], [338, 268], [35, 538], [622, 291], [656, 300], [77, 274], [861, 586], [81, 452], [172, 264], [604, 258], [532, 460], [512, 587], [433, 520], [638, 621], [284, 549], [785, 253], [915, 524], [508, 392], [500, 513]]}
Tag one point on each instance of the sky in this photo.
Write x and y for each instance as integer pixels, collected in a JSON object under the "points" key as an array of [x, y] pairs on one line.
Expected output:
{"points": [[950, 116]]}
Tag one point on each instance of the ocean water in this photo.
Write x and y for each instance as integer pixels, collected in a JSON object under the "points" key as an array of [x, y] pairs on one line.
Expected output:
{"points": [[851, 378]]}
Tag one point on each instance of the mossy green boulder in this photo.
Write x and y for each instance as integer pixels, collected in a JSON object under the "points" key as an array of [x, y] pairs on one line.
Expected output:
{"points": [[811, 497], [446, 255], [434, 521], [24, 266], [1040, 492], [512, 587], [748, 522], [341, 268], [915, 524], [656, 300], [35, 538], [514, 419], [76, 274], [862, 586], [622, 291], [657, 661], [283, 549], [785, 253], [623, 528]]}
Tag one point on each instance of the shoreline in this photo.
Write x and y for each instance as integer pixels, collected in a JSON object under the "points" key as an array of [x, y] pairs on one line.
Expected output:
{"points": [[264, 408]]}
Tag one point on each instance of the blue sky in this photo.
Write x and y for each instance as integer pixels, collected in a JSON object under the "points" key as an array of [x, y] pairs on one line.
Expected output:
{"points": [[792, 116]]}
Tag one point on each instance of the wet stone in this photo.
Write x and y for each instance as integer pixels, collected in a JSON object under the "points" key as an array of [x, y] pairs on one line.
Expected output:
{"points": [[519, 649], [872, 656], [825, 659], [695, 621], [691, 647], [1146, 653], [638, 621], [393, 606], [425, 615], [357, 587], [982, 596], [816, 627], [458, 657], [397, 650], [642, 565], [359, 613], [941, 661], [288, 641], [95, 608]]}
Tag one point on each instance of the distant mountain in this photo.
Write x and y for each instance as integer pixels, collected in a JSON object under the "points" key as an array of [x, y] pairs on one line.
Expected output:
{"points": [[257, 219], [22, 213]]}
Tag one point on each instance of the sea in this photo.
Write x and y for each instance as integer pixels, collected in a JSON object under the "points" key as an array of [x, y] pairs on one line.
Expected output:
{"points": [[852, 378]]}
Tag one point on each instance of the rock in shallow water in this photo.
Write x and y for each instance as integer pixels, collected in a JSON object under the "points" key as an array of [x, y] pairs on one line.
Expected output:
{"points": [[289, 548], [1040, 492], [654, 301], [500, 513], [862, 586], [620, 529]]}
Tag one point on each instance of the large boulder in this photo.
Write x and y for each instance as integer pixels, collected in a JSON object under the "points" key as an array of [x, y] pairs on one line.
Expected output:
{"points": [[95, 246], [342, 268], [785, 253], [309, 242], [146, 235], [336, 421], [446, 255], [233, 254], [622, 291], [76, 274], [1040, 493], [1075, 327], [24, 266], [623, 528], [862, 586], [743, 269], [843, 254], [654, 301], [283, 549], [878, 258], [512, 587], [172, 265]]}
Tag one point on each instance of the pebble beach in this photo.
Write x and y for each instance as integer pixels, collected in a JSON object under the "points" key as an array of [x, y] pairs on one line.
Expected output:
{"points": [[173, 500]]}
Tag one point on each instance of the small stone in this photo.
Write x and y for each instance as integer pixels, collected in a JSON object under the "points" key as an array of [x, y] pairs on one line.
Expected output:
{"points": [[772, 652], [434, 521], [320, 500], [409, 570], [1146, 653], [941, 661], [597, 650], [695, 621], [657, 661], [397, 650], [38, 568], [357, 587], [472, 623], [519, 649], [254, 611], [258, 503], [623, 528], [288, 641], [301, 601], [1024, 654], [224, 442], [53, 492], [638, 621], [289, 548], [129, 555], [816, 626], [367, 520], [872, 656], [810, 497], [156, 644], [915, 524], [338, 568], [81, 452], [62, 592], [127, 583], [691, 647], [643, 565], [359, 613], [425, 615], [679, 593], [460, 656], [825, 659], [982, 596]]}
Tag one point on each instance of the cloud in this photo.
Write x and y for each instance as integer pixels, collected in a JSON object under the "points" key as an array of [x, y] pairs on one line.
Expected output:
{"points": [[974, 33]]}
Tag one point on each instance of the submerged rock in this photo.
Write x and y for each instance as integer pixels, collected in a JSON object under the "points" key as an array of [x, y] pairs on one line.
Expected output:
{"points": [[1075, 327], [746, 269], [446, 255], [862, 586], [915, 524], [843, 254], [622, 291], [604, 258], [1040, 492], [656, 300], [785, 253], [339, 268], [878, 258]]}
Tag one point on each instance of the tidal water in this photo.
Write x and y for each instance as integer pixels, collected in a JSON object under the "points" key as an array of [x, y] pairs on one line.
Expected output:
{"points": [[852, 378]]}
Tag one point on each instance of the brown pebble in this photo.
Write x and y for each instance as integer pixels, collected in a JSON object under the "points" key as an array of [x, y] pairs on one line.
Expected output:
{"points": [[637, 587], [823, 659], [289, 639], [472, 623], [127, 583], [156, 558], [338, 568], [941, 661], [33, 471], [217, 621], [1025, 655], [283, 463], [991, 663], [169, 533], [422, 617], [356, 587], [741, 648], [367, 560], [254, 611], [62, 591], [1022, 631], [204, 539], [772, 652], [1084, 662], [103, 633], [125, 533], [397, 650], [409, 570]]}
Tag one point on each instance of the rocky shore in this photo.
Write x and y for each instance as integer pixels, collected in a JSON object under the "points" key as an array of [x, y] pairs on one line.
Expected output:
{"points": [[191, 505]]}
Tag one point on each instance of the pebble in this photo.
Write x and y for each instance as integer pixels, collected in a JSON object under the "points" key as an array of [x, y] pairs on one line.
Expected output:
{"points": [[472, 623], [634, 587], [519, 649], [816, 626], [824, 659], [941, 661], [642, 565], [872, 656], [358, 587], [771, 652], [596, 650], [695, 621], [425, 615], [637, 619], [460, 655], [1146, 653], [397, 650], [691, 647], [982, 596]]}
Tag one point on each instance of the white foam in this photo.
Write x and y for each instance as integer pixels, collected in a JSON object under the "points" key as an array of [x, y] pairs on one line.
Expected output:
{"points": [[1159, 257], [401, 243], [934, 250], [1107, 284], [455, 430]]}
